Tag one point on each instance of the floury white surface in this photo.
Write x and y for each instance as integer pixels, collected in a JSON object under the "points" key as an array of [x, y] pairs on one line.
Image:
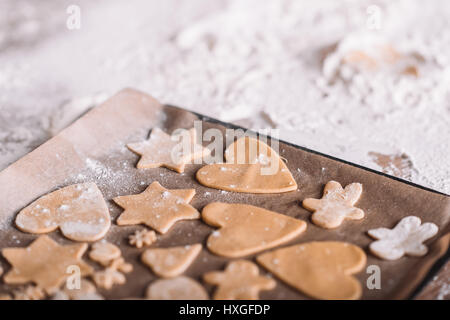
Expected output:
{"points": [[300, 66]]}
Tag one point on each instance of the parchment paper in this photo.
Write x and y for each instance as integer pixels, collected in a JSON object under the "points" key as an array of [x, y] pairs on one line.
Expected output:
{"points": [[93, 149]]}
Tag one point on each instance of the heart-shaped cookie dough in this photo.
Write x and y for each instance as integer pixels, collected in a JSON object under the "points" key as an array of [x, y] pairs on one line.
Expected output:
{"points": [[171, 262], [251, 166], [78, 210], [246, 229], [322, 270]]}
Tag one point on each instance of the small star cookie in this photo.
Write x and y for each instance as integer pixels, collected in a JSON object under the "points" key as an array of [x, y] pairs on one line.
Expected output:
{"points": [[179, 288], [171, 262], [406, 238], [44, 262], [239, 281], [161, 151], [79, 211], [157, 207], [336, 205]]}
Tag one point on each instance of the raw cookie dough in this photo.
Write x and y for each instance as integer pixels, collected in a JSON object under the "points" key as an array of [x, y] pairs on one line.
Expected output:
{"points": [[87, 291], [171, 262], [180, 288], [322, 270], [239, 281], [157, 207], [142, 238], [336, 205], [45, 263], [161, 151], [246, 229], [406, 238], [104, 252], [245, 162], [78, 210]]}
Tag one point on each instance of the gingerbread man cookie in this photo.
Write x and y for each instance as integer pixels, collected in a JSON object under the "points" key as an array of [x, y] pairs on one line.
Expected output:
{"points": [[179, 288], [322, 270], [79, 211], [336, 205], [239, 281], [251, 166], [246, 229], [405, 239], [157, 207], [45, 263], [171, 262], [163, 151]]}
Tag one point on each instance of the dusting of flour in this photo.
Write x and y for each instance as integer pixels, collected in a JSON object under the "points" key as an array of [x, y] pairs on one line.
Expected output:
{"points": [[299, 66]]}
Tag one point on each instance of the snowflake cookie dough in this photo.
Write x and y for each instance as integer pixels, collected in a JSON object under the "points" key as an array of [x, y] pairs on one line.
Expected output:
{"points": [[406, 238], [79, 211], [180, 288], [321, 270], [161, 151], [171, 262], [142, 238], [336, 205], [157, 207], [246, 229], [45, 263], [239, 281], [251, 166]]}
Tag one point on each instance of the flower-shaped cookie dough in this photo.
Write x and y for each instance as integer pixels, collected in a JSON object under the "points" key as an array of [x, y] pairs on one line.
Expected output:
{"points": [[336, 205], [405, 239]]}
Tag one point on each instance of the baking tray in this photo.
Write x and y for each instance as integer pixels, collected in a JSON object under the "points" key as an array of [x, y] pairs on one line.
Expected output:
{"points": [[94, 149]]}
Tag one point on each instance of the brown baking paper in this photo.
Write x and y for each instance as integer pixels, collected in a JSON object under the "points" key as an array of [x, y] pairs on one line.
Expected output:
{"points": [[93, 149]]}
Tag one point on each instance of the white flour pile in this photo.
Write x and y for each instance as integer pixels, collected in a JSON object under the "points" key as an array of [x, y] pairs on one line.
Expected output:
{"points": [[314, 69]]}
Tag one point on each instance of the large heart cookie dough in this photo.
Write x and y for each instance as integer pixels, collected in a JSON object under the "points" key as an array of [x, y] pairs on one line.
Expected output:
{"points": [[322, 270], [246, 229], [78, 210], [248, 169]]}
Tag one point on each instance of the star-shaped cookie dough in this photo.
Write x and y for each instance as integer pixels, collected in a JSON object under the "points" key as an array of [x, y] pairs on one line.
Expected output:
{"points": [[161, 151], [45, 263], [157, 207]]}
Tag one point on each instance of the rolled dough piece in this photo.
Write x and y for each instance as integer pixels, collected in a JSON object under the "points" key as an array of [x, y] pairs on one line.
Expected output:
{"points": [[405, 239], [45, 263], [79, 211], [336, 205], [321, 270], [161, 151], [157, 207], [171, 262], [246, 229], [240, 280], [179, 288], [251, 166]]}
